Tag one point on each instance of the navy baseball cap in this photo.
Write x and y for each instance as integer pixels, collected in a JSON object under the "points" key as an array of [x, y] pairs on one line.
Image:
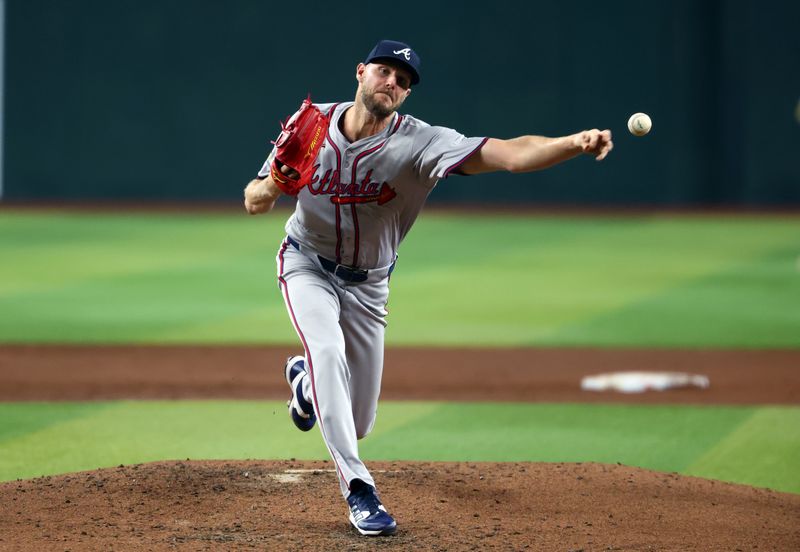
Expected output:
{"points": [[399, 52]]}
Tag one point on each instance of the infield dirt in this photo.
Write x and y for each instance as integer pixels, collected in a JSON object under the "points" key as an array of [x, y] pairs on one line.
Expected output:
{"points": [[53, 372], [291, 505]]}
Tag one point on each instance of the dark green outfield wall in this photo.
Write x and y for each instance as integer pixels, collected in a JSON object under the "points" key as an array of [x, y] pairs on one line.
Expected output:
{"points": [[122, 99]]}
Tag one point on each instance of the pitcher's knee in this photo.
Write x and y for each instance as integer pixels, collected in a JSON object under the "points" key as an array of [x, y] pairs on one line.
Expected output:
{"points": [[363, 429], [361, 434]]}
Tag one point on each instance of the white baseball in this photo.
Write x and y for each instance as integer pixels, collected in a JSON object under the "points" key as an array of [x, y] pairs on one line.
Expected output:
{"points": [[640, 124]]}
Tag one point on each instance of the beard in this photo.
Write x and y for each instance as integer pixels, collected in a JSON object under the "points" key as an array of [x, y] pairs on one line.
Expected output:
{"points": [[377, 109]]}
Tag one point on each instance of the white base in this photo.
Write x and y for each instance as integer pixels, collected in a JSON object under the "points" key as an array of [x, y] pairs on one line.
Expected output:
{"points": [[639, 382]]}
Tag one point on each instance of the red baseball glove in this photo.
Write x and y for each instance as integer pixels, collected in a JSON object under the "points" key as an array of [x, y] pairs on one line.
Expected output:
{"points": [[297, 147]]}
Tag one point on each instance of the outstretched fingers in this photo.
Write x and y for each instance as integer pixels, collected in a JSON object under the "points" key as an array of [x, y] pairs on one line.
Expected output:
{"points": [[605, 145], [597, 143]]}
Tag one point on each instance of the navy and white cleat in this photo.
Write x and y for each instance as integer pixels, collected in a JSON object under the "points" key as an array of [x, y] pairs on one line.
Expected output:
{"points": [[368, 515], [301, 411]]}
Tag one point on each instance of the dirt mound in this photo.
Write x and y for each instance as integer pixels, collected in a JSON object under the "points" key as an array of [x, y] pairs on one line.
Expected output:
{"points": [[292, 505]]}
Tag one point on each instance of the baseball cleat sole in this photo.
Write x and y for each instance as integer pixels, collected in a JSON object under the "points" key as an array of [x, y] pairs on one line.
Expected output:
{"points": [[294, 371], [376, 532]]}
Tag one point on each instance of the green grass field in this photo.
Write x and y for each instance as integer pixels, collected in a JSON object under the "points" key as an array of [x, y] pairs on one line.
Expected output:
{"points": [[753, 445], [667, 281], [489, 281]]}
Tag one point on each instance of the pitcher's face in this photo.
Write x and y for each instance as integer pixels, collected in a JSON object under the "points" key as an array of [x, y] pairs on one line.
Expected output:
{"points": [[383, 87]]}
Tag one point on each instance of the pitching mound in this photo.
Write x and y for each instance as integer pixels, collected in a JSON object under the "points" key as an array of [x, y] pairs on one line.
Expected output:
{"points": [[439, 506]]}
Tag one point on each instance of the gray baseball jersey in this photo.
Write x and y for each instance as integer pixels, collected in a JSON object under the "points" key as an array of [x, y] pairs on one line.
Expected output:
{"points": [[365, 196], [334, 265]]}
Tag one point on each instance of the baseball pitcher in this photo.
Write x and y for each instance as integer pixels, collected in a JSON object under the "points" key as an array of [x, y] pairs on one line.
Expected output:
{"points": [[361, 172]]}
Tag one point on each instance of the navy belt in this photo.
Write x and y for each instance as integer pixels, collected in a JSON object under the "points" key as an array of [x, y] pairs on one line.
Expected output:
{"points": [[346, 273]]}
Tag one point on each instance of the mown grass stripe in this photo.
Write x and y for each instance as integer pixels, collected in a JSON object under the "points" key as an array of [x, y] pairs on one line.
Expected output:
{"points": [[699, 440], [764, 450]]}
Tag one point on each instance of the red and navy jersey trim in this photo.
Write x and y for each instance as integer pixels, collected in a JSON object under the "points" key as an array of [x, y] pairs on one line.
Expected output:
{"points": [[353, 174], [336, 205], [455, 166], [397, 125]]}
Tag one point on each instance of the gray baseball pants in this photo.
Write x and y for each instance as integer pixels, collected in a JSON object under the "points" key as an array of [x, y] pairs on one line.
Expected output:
{"points": [[341, 325]]}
